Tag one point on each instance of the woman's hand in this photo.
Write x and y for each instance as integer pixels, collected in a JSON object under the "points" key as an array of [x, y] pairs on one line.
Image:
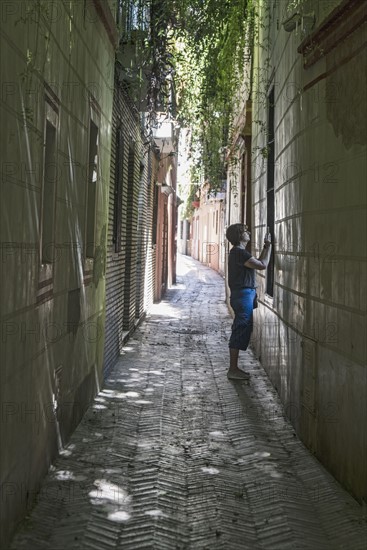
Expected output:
{"points": [[264, 258], [267, 240]]}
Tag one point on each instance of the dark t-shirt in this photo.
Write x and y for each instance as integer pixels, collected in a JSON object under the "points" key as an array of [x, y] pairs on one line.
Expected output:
{"points": [[240, 276]]}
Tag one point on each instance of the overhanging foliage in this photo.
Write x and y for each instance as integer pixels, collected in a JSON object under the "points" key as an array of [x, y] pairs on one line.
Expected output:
{"points": [[199, 45]]}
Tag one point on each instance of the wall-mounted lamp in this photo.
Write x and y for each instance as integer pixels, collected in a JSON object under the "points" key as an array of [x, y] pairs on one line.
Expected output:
{"points": [[292, 22], [306, 21], [166, 189]]}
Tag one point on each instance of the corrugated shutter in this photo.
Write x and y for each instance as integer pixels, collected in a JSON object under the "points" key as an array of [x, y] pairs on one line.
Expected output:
{"points": [[119, 172], [129, 291]]}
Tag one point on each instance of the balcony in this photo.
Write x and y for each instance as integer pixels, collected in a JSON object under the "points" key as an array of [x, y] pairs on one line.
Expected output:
{"points": [[133, 67], [212, 197]]}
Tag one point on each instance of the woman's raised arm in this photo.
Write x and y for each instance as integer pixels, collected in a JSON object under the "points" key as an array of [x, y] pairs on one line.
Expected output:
{"points": [[263, 261]]}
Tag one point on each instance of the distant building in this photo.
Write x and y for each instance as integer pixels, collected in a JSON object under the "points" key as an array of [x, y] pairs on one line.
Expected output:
{"points": [[165, 206], [207, 229]]}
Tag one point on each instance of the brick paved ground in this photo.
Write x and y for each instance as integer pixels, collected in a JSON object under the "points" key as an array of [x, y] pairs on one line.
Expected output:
{"points": [[174, 456]]}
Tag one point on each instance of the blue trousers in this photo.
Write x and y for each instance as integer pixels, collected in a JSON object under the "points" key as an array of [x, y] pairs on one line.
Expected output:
{"points": [[242, 303]]}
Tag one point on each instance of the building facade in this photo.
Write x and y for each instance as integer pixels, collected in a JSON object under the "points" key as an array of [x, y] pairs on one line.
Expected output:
{"points": [[296, 164], [56, 120], [165, 206], [130, 270], [308, 187], [207, 229]]}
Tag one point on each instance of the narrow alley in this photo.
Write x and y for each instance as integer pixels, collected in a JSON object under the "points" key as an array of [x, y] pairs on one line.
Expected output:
{"points": [[172, 455]]}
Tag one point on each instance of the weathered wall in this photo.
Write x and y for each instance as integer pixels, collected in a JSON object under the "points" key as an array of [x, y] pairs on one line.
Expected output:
{"points": [[311, 334], [52, 313]]}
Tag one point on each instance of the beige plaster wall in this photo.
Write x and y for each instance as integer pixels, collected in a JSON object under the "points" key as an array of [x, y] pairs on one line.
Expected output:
{"points": [[311, 335]]}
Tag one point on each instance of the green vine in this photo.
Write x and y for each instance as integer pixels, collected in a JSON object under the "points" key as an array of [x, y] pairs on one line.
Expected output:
{"points": [[210, 61], [192, 197], [35, 14], [198, 46]]}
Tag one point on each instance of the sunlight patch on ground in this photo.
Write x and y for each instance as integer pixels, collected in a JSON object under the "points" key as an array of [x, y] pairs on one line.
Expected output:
{"points": [[269, 469], [262, 454], [108, 492], [119, 516], [115, 395], [210, 470], [183, 268], [146, 444], [164, 309], [67, 475], [65, 452], [180, 286], [155, 513], [119, 395], [216, 434]]}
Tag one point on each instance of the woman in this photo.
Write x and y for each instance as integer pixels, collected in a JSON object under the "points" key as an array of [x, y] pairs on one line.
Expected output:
{"points": [[241, 281]]}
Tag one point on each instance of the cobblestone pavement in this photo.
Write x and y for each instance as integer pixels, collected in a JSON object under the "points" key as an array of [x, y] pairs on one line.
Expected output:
{"points": [[172, 455]]}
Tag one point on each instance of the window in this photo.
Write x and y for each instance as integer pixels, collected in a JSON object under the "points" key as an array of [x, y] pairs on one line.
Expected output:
{"points": [[216, 222], [243, 188], [133, 15], [49, 187], [119, 12], [270, 189], [248, 189], [48, 200], [119, 165], [91, 190]]}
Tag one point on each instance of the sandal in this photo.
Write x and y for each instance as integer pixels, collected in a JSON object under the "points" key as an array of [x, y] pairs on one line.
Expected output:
{"points": [[241, 375]]}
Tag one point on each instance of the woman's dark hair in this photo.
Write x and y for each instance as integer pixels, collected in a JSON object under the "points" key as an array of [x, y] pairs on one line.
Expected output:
{"points": [[235, 232]]}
